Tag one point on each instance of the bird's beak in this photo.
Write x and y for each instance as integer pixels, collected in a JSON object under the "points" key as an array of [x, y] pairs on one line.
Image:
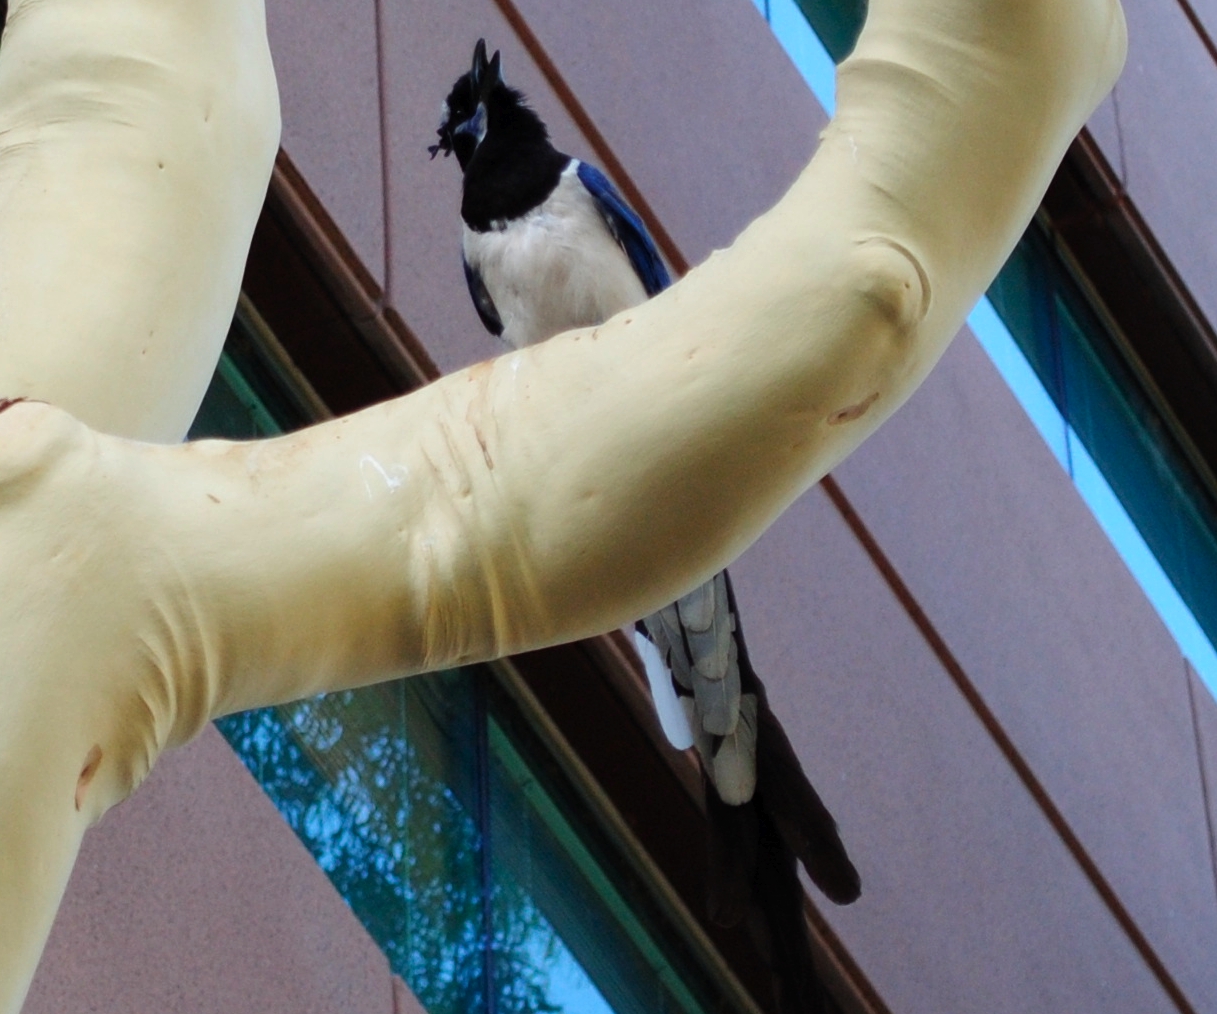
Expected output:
{"points": [[444, 145]]}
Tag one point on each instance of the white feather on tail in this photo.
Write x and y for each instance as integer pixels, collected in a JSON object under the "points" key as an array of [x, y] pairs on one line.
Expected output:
{"points": [[672, 717]]}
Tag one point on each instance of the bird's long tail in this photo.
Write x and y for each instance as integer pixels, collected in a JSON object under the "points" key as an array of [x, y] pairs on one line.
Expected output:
{"points": [[708, 695], [788, 798], [764, 815]]}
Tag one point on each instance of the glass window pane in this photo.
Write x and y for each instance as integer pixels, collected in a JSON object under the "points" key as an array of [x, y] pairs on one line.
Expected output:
{"points": [[380, 785], [604, 955]]}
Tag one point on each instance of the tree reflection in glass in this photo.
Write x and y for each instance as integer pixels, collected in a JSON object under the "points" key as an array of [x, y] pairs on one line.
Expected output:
{"points": [[381, 785]]}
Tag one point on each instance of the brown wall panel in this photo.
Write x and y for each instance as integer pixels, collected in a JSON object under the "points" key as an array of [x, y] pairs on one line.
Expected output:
{"points": [[1206, 737], [325, 54], [970, 902], [1166, 100], [698, 100], [1000, 552], [194, 897]]}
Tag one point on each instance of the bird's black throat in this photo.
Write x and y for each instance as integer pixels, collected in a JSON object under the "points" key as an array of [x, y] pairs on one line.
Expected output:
{"points": [[514, 169]]}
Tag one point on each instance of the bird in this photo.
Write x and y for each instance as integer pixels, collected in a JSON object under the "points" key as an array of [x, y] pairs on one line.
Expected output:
{"points": [[549, 245]]}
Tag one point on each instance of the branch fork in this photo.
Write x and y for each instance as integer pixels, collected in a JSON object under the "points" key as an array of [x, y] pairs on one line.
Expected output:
{"points": [[152, 587]]}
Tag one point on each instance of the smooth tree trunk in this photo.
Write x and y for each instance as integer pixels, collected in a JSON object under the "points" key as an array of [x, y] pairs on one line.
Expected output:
{"points": [[553, 493]]}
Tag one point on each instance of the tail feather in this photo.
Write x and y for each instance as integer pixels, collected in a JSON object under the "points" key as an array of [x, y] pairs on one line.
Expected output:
{"points": [[672, 717], [706, 622], [695, 637], [713, 656], [664, 627], [730, 761], [731, 855], [718, 701], [697, 609], [799, 814], [764, 815], [753, 883], [797, 986], [788, 796]]}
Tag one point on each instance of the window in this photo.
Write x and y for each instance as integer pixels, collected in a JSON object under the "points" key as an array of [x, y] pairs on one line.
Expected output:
{"points": [[1119, 445], [435, 815]]}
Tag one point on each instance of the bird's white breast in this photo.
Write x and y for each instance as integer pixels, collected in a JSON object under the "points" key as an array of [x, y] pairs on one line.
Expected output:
{"points": [[555, 268]]}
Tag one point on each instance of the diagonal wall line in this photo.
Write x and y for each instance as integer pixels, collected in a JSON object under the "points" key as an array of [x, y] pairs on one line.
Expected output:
{"points": [[1206, 788], [383, 115], [1005, 744], [1206, 40]]}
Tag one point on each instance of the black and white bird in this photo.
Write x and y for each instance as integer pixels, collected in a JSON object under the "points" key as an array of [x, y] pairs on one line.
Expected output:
{"points": [[549, 245]]}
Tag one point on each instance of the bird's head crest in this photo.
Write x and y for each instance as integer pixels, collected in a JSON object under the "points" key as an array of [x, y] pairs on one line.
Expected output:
{"points": [[486, 74], [463, 117]]}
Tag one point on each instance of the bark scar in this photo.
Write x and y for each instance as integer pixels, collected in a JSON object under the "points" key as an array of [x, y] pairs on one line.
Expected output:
{"points": [[92, 763], [852, 412]]}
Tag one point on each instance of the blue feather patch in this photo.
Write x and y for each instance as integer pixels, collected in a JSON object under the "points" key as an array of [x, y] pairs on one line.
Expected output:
{"points": [[482, 301], [627, 229]]}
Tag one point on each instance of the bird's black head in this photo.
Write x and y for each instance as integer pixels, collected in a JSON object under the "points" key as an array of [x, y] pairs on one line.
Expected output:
{"points": [[466, 114], [481, 105], [502, 145]]}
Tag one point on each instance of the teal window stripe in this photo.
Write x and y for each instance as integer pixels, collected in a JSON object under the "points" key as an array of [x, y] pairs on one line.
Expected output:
{"points": [[384, 787], [1120, 453], [836, 22], [232, 408], [532, 811]]}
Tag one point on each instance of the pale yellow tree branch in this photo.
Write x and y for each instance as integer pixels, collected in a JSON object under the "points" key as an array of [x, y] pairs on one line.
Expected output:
{"points": [[136, 141], [555, 492]]}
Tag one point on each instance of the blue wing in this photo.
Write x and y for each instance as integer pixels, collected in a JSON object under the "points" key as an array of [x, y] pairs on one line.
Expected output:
{"points": [[482, 301], [627, 229]]}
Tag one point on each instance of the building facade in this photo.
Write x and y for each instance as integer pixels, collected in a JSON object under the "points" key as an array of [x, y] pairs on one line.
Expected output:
{"points": [[1021, 757]]}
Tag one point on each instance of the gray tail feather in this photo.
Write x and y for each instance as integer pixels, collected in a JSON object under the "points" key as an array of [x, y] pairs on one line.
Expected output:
{"points": [[754, 850]]}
